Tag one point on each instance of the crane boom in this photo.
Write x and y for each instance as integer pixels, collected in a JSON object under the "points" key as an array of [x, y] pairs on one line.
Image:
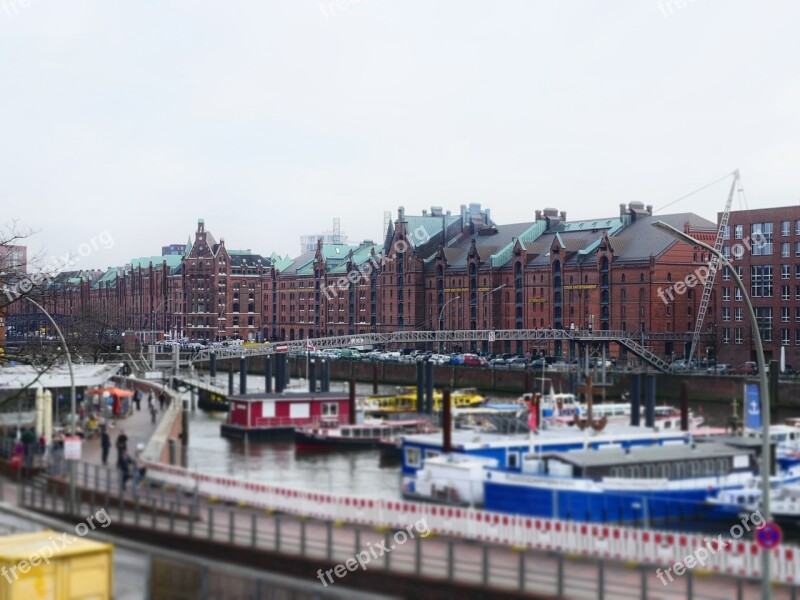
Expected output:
{"points": [[713, 266]]}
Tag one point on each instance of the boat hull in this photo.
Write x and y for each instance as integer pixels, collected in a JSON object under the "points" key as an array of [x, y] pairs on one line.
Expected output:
{"points": [[608, 506], [303, 441], [235, 432]]}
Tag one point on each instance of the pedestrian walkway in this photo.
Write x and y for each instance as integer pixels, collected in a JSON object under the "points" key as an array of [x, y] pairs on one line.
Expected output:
{"points": [[137, 427]]}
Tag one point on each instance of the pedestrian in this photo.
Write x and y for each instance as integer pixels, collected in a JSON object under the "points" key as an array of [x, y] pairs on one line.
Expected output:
{"points": [[137, 399], [153, 413], [150, 399], [57, 454], [122, 445], [42, 449], [125, 469], [137, 466], [29, 440], [162, 400], [105, 444]]}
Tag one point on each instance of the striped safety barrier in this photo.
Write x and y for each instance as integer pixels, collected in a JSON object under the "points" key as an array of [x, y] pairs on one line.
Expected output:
{"points": [[733, 557]]}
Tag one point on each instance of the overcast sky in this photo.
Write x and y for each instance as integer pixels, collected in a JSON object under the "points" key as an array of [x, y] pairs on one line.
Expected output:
{"points": [[269, 118]]}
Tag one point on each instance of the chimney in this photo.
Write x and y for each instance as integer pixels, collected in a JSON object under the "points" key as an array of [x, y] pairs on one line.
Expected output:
{"points": [[622, 211], [488, 217], [538, 215], [563, 214], [650, 209], [401, 213], [424, 212]]}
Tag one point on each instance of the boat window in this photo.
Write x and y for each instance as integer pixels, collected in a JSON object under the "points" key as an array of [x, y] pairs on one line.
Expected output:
{"points": [[345, 432], [664, 468], [431, 453], [667, 424], [412, 457], [512, 460]]}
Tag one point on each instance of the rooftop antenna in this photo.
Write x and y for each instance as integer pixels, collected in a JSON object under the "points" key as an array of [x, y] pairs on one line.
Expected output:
{"points": [[337, 230]]}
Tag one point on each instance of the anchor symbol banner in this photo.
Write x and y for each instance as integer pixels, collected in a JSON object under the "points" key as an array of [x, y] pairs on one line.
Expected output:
{"points": [[752, 406]]}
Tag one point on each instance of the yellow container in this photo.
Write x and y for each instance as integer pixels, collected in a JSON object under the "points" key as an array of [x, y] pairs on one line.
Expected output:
{"points": [[54, 566]]}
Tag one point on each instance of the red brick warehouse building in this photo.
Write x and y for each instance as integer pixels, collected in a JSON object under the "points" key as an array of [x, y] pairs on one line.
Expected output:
{"points": [[431, 271], [764, 246]]}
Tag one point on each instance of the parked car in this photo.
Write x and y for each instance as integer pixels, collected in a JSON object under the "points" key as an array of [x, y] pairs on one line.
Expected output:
{"points": [[518, 362], [473, 360], [498, 363], [720, 369]]}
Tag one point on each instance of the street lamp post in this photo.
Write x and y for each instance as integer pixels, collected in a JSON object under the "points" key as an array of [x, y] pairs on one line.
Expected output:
{"points": [[72, 418], [441, 319], [762, 384]]}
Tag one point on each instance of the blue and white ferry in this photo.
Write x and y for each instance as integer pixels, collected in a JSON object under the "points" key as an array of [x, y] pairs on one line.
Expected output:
{"points": [[507, 450], [634, 484]]}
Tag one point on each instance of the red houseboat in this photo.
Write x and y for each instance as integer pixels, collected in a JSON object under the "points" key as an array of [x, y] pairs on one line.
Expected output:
{"points": [[264, 416]]}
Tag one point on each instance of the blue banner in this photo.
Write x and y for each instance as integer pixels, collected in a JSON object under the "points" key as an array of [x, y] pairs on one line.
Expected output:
{"points": [[752, 406]]}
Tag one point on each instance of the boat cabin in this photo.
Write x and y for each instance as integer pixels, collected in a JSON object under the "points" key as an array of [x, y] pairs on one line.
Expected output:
{"points": [[666, 462], [284, 412]]}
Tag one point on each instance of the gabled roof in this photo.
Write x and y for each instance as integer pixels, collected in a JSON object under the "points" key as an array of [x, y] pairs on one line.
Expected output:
{"points": [[144, 262], [485, 245], [361, 255], [640, 240]]}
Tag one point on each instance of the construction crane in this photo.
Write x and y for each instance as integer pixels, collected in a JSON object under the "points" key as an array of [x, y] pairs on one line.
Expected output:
{"points": [[713, 266]]}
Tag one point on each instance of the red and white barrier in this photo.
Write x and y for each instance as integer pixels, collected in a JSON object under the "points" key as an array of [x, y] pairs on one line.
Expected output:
{"points": [[734, 557]]}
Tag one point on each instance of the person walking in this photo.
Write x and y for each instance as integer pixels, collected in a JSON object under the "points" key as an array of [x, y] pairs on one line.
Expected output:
{"points": [[162, 400], [57, 454], [125, 469], [137, 466], [150, 399], [122, 445], [105, 444], [137, 399], [153, 413]]}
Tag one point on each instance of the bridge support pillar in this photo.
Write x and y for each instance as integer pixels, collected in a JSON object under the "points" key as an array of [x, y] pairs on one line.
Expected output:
{"points": [[230, 378], [636, 399], [420, 387], [352, 401], [312, 376], [325, 383], [243, 375], [268, 374], [428, 387], [212, 368], [684, 406], [650, 399]]}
